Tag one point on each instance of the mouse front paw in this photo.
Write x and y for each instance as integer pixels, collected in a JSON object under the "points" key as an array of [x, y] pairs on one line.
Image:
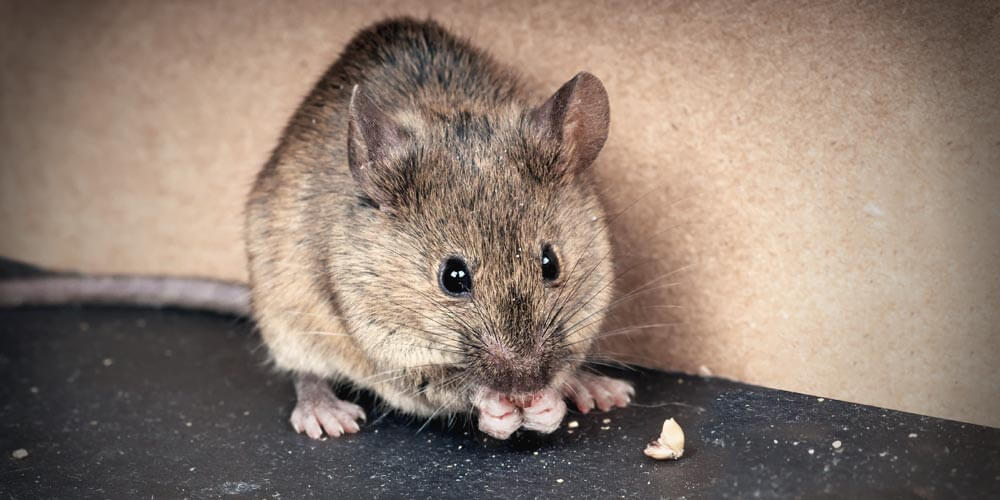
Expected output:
{"points": [[318, 411], [545, 413], [498, 417], [587, 390]]}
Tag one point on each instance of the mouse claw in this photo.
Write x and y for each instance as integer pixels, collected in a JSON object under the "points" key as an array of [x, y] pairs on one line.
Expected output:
{"points": [[545, 413], [587, 391], [318, 411], [498, 417]]}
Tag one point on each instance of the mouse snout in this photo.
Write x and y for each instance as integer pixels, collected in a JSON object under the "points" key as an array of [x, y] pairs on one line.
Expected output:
{"points": [[520, 376]]}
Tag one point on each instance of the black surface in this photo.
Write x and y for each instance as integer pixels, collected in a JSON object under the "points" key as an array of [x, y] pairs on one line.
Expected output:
{"points": [[128, 403]]}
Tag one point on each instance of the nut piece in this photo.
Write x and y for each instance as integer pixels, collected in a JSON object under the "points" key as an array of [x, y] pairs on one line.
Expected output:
{"points": [[670, 444]]}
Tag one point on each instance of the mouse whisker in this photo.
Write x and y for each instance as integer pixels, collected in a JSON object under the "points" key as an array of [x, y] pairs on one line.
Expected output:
{"points": [[645, 287], [441, 335], [587, 321], [623, 331], [609, 363], [436, 412]]}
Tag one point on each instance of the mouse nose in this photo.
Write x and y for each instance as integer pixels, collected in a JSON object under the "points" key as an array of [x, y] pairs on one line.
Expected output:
{"points": [[520, 376]]}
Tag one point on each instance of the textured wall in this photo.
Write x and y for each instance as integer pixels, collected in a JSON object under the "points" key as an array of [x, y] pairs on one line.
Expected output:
{"points": [[822, 183]]}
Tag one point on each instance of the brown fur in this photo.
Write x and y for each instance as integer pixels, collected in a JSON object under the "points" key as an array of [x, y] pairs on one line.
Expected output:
{"points": [[413, 147]]}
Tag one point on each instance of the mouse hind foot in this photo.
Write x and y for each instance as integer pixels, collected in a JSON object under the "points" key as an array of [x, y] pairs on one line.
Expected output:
{"points": [[318, 411], [588, 390]]}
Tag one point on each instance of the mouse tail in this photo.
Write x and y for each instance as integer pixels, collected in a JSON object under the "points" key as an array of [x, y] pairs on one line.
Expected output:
{"points": [[192, 293]]}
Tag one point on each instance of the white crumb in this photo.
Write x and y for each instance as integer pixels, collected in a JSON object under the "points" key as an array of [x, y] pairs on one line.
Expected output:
{"points": [[913, 435], [836, 444], [670, 443], [19, 453], [108, 362], [606, 421], [573, 424]]}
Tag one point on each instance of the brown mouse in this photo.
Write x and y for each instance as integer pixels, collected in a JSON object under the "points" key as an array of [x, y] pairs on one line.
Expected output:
{"points": [[428, 229]]}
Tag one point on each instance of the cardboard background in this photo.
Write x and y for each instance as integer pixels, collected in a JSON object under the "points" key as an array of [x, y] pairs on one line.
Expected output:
{"points": [[822, 181]]}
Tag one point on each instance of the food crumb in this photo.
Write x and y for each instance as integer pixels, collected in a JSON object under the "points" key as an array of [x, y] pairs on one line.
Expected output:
{"points": [[188, 424], [605, 427], [704, 371], [535, 453], [559, 480], [670, 443], [606, 421], [811, 451], [775, 441], [19, 453], [836, 444], [913, 435], [573, 424], [108, 362], [821, 400]]}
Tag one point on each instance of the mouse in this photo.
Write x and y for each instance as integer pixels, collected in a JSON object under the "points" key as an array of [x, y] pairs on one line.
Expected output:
{"points": [[428, 228]]}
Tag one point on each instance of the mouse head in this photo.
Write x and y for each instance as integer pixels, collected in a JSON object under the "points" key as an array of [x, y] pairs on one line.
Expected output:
{"points": [[493, 256]]}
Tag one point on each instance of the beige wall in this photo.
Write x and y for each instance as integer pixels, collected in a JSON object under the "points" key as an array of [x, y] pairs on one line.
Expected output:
{"points": [[823, 181]]}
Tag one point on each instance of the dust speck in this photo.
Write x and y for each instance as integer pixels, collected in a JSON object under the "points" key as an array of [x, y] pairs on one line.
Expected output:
{"points": [[19, 453], [913, 435], [237, 488], [108, 362], [811, 451], [560, 481]]}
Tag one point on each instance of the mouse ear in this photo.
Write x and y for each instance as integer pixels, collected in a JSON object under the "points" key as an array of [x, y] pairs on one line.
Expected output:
{"points": [[374, 142], [576, 116]]}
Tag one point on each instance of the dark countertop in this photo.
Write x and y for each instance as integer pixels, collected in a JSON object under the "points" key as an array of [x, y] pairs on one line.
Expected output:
{"points": [[127, 402]]}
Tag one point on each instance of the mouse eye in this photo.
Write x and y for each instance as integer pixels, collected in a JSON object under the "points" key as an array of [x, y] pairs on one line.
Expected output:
{"points": [[550, 264], [456, 280]]}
